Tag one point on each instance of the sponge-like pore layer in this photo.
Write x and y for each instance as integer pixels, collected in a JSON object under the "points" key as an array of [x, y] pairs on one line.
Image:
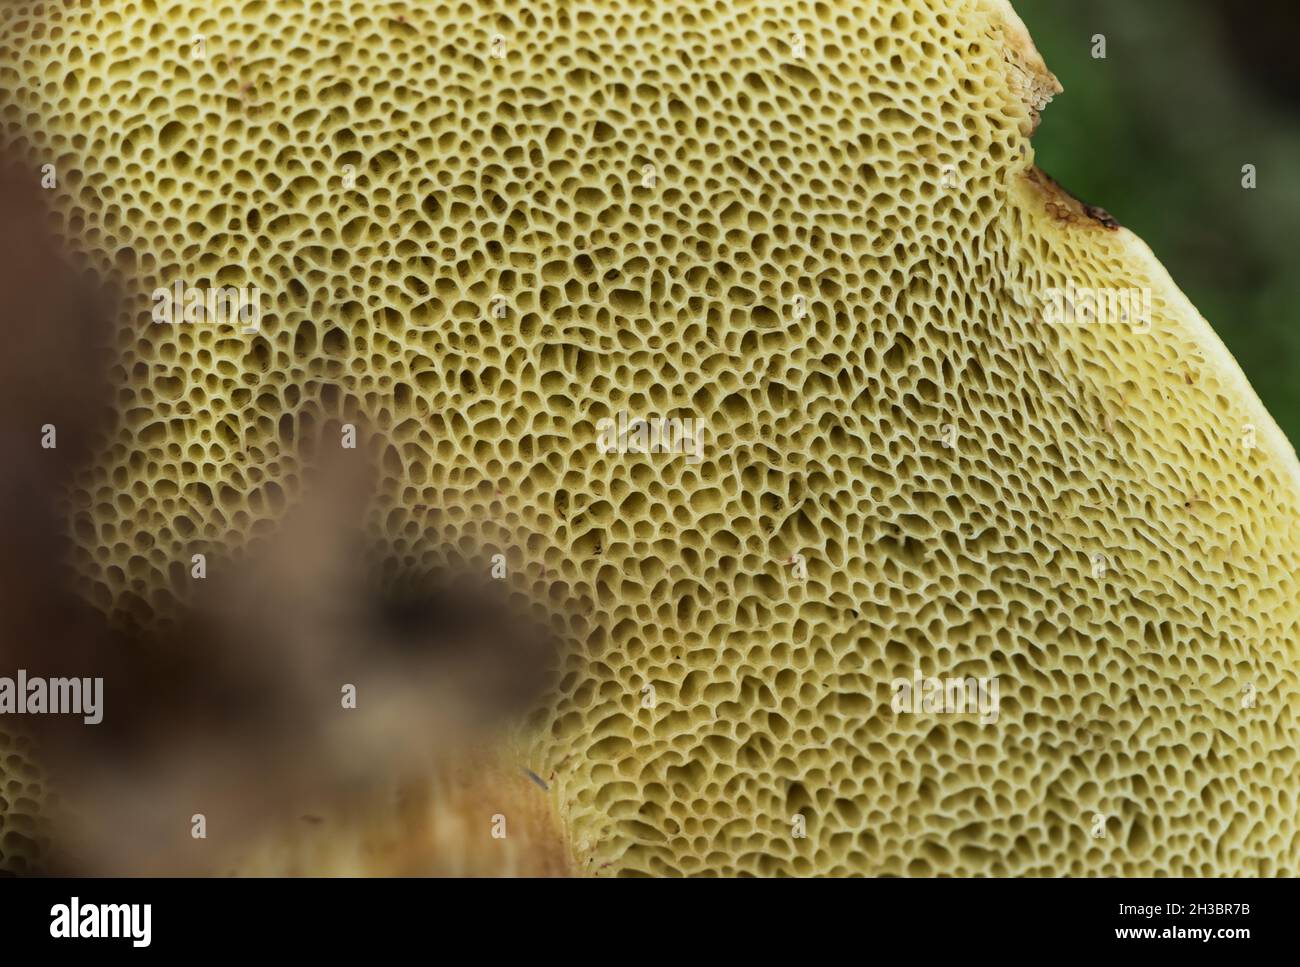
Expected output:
{"points": [[933, 446]]}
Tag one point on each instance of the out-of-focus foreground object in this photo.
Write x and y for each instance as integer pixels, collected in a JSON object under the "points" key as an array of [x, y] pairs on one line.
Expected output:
{"points": [[952, 423]]}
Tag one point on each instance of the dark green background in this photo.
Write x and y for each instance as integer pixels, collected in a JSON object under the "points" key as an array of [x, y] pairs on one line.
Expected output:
{"points": [[1157, 134]]}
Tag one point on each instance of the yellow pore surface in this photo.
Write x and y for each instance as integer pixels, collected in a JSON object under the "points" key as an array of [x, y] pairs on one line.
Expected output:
{"points": [[816, 229]]}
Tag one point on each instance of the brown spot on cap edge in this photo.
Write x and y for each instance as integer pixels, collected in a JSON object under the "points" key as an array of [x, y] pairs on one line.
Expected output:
{"points": [[1065, 206]]}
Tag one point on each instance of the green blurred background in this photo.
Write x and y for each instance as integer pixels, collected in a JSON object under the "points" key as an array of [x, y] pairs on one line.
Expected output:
{"points": [[1157, 134]]}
